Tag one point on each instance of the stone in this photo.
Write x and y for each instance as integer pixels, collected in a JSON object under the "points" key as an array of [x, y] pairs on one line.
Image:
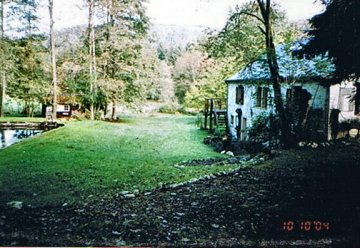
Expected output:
{"points": [[116, 233], [230, 153], [15, 204], [301, 144], [314, 145], [129, 195], [223, 152], [215, 225]]}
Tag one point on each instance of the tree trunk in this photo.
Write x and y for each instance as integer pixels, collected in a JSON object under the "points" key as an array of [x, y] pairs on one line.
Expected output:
{"points": [[274, 71], [2, 71], [3, 93], [53, 59], [113, 112], [2, 18], [92, 66]]}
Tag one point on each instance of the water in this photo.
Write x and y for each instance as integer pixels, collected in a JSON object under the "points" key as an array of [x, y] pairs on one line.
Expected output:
{"points": [[9, 137]]}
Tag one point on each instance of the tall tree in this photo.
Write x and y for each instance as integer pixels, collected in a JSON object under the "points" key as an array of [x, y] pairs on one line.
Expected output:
{"points": [[92, 54], [336, 32], [53, 58], [29, 82], [265, 9], [2, 71], [120, 47]]}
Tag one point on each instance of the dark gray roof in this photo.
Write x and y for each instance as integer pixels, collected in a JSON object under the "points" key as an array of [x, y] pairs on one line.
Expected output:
{"points": [[291, 68]]}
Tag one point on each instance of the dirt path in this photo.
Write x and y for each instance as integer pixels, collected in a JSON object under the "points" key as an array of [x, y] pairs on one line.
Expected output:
{"points": [[247, 208]]}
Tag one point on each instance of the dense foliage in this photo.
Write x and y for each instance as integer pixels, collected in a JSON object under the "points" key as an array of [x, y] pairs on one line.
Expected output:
{"points": [[336, 32]]}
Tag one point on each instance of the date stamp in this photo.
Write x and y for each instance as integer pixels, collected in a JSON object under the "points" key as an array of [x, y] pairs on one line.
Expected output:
{"points": [[306, 226]]}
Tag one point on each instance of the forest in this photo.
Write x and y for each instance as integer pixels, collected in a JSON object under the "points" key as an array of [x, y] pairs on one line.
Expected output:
{"points": [[119, 62]]}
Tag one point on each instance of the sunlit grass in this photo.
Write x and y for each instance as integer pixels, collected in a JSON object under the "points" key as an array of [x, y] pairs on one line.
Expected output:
{"points": [[100, 159]]}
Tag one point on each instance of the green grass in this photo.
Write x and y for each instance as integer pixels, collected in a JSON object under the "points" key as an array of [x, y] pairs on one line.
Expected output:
{"points": [[101, 159], [21, 119]]}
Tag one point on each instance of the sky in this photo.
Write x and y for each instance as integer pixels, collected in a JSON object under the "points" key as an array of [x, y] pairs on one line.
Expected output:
{"points": [[208, 13]]}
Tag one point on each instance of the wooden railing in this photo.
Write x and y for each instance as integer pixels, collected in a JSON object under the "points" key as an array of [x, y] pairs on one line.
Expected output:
{"points": [[213, 106]]}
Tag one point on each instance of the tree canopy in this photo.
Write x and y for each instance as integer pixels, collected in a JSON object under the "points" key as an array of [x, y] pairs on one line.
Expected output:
{"points": [[336, 32]]}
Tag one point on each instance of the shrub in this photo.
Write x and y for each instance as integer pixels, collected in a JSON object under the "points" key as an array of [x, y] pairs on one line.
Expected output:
{"points": [[168, 109]]}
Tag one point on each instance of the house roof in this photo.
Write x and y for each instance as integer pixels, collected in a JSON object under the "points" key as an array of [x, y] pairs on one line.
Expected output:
{"points": [[291, 68]]}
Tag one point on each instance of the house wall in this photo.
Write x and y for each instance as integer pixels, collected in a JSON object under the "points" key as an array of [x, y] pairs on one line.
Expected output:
{"points": [[340, 99], [319, 100]]}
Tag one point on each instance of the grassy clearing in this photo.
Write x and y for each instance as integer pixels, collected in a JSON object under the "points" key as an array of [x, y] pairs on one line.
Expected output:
{"points": [[93, 160], [21, 119]]}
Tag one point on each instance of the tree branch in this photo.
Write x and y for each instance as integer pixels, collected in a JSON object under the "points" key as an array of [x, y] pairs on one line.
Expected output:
{"points": [[262, 30], [253, 15]]}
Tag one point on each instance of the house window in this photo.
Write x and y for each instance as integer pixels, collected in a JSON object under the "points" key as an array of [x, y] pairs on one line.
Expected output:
{"points": [[66, 107], [262, 97], [240, 95]]}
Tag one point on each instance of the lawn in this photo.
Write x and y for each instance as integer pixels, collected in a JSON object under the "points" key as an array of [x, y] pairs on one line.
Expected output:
{"points": [[93, 160], [21, 119]]}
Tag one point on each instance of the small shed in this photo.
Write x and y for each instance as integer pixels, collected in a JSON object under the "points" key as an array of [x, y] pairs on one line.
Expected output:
{"points": [[305, 87]]}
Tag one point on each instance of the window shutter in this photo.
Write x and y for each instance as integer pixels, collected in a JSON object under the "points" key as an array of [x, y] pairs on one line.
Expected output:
{"points": [[265, 92], [258, 96]]}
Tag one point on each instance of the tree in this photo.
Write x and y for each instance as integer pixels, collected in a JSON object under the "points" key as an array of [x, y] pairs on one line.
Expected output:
{"points": [[336, 33], [92, 55], [53, 59], [265, 9], [3, 61], [29, 76], [120, 43], [30, 81]]}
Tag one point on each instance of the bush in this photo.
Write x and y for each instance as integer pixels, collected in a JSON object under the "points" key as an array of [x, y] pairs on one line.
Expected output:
{"points": [[168, 109], [264, 133]]}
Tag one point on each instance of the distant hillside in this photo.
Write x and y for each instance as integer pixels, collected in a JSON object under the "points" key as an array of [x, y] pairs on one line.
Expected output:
{"points": [[173, 35], [69, 38], [167, 35]]}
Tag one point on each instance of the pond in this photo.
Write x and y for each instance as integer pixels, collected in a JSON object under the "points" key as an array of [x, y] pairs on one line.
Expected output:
{"points": [[12, 136]]}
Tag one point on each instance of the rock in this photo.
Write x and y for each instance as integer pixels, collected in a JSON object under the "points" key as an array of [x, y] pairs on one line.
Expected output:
{"points": [[124, 192], [230, 153], [185, 240], [15, 204], [302, 144], [65, 204], [129, 195], [215, 225], [173, 194], [193, 180], [136, 191], [147, 193], [314, 145], [116, 233], [223, 152]]}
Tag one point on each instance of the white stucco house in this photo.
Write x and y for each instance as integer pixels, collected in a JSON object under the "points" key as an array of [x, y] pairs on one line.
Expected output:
{"points": [[306, 91]]}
